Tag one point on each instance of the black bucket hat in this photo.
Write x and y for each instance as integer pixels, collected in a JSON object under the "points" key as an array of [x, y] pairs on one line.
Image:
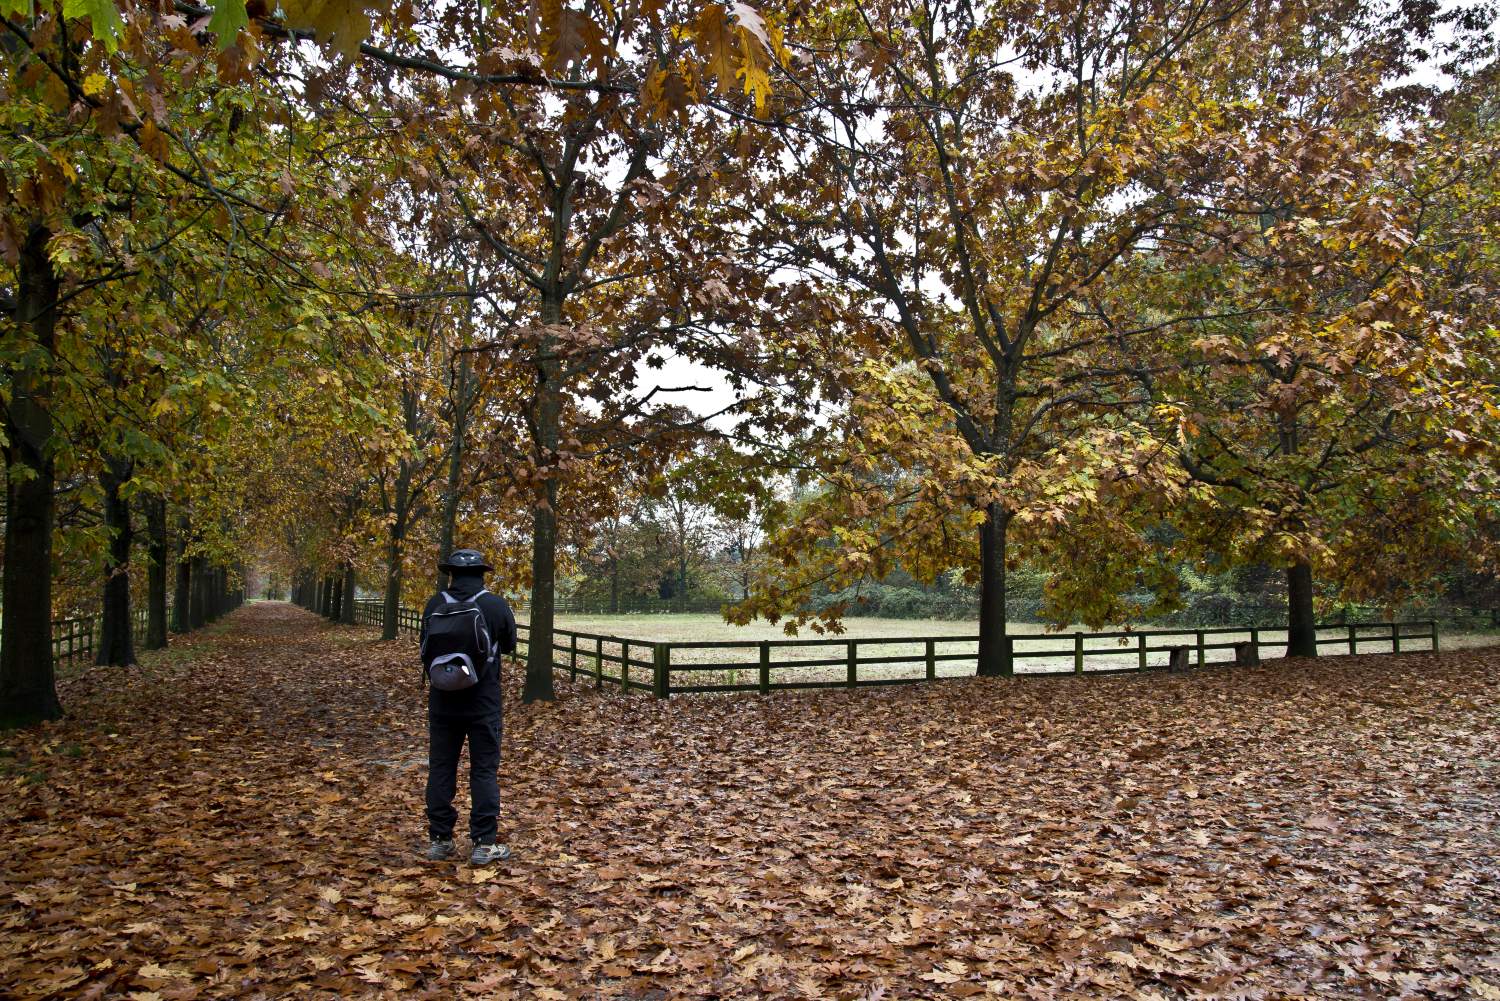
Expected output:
{"points": [[464, 561]]}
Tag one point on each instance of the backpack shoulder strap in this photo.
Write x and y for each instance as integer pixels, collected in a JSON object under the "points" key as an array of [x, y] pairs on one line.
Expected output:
{"points": [[446, 596]]}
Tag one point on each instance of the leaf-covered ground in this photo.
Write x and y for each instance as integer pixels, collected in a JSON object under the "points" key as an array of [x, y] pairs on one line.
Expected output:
{"points": [[241, 819]]}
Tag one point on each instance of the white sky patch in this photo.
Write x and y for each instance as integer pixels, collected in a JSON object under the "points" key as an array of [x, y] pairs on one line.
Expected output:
{"points": [[699, 388]]}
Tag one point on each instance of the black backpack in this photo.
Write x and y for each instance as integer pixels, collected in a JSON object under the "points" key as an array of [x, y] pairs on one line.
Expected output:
{"points": [[457, 645]]}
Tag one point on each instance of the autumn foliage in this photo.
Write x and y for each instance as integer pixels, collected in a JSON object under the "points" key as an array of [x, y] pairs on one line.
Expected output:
{"points": [[305, 294]]}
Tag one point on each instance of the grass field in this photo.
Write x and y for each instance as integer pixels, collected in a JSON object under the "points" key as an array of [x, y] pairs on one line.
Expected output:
{"points": [[1037, 649]]}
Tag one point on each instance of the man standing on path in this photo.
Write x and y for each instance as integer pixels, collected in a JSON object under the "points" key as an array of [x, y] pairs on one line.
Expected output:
{"points": [[471, 713]]}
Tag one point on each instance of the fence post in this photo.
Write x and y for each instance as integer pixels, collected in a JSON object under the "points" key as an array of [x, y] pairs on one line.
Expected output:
{"points": [[1255, 644], [661, 683], [853, 658], [1078, 653], [1353, 643], [1200, 648], [598, 661], [1395, 637], [625, 666], [1432, 626], [1140, 644], [572, 656], [931, 660], [765, 667]]}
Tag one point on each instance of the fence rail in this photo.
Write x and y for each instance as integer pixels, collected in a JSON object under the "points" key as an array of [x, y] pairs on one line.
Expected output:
{"points": [[371, 612], [78, 638], [670, 668], [679, 668]]}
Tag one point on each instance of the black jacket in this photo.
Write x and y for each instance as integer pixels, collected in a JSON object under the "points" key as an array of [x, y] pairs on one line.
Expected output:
{"points": [[484, 698]]}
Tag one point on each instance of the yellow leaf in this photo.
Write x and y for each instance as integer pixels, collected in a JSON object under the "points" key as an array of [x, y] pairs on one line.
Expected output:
{"points": [[716, 43], [753, 72], [340, 24]]}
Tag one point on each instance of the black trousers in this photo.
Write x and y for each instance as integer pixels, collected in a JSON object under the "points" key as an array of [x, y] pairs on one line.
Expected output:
{"points": [[446, 739]]}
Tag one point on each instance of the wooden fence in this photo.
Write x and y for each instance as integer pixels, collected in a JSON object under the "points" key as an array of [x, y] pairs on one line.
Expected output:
{"points": [[74, 639], [666, 669], [371, 612], [677, 668], [593, 654]]}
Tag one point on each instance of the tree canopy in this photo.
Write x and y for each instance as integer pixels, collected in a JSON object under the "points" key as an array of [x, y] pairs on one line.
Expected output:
{"points": [[310, 292]]}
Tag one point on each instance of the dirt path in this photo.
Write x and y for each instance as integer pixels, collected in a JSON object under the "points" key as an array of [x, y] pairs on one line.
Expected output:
{"points": [[240, 819]]}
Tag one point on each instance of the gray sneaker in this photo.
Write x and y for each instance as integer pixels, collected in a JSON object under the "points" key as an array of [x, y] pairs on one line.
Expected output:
{"points": [[439, 850], [488, 854]]}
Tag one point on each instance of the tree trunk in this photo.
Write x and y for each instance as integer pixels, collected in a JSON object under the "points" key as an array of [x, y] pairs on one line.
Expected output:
{"points": [[327, 610], [346, 609], [182, 595], [994, 642], [336, 610], [538, 685], [390, 611], [548, 432], [614, 585], [455, 469], [28, 690], [390, 624], [116, 642], [1301, 631], [198, 593], [156, 574], [680, 517]]}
